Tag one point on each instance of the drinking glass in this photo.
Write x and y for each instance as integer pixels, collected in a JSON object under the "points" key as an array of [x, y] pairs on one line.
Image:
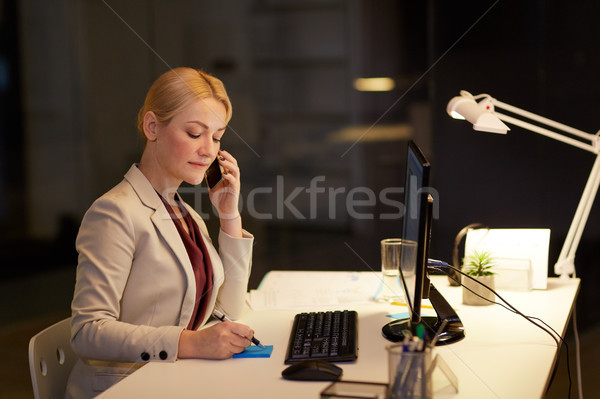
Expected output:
{"points": [[396, 253]]}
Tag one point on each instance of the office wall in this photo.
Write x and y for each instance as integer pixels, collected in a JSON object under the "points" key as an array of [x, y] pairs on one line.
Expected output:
{"points": [[539, 56], [541, 62], [86, 66], [288, 68]]}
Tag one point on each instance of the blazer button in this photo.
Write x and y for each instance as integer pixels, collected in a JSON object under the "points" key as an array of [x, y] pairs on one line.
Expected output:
{"points": [[163, 355], [145, 356]]}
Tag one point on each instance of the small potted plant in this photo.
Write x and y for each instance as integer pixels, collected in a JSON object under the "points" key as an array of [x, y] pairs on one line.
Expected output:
{"points": [[478, 266]]}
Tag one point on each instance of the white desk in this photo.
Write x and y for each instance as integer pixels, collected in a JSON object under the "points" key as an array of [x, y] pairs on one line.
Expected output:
{"points": [[502, 356]]}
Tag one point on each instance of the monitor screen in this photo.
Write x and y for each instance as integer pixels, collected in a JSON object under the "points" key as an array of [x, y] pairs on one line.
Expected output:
{"points": [[416, 228], [415, 280]]}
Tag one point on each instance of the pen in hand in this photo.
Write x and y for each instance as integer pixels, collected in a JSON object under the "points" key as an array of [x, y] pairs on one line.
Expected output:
{"points": [[223, 317]]}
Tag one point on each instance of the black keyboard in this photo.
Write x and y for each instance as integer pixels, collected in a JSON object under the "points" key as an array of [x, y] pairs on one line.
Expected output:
{"points": [[330, 336]]}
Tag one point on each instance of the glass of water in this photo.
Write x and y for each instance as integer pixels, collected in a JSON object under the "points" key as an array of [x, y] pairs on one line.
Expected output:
{"points": [[395, 253]]}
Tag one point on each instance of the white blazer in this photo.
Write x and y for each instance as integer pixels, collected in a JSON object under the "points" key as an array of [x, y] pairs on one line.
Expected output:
{"points": [[135, 288]]}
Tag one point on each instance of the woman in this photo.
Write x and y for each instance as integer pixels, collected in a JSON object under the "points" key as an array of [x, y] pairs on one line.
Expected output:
{"points": [[148, 275]]}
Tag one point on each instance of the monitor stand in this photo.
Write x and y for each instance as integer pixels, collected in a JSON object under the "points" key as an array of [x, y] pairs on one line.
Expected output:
{"points": [[454, 331]]}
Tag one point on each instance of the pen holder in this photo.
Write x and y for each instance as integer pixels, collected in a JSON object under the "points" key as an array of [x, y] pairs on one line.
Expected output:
{"points": [[408, 376]]}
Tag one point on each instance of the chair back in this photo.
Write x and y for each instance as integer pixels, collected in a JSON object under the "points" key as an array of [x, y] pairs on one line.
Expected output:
{"points": [[51, 360]]}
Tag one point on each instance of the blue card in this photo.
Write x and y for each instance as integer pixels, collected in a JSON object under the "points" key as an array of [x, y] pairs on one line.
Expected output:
{"points": [[399, 315], [255, 351]]}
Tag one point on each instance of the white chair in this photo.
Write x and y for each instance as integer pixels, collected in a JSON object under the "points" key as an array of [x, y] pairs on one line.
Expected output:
{"points": [[51, 360]]}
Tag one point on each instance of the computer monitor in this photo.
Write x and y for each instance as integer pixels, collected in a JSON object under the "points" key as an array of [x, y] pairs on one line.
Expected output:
{"points": [[416, 227], [417, 223]]}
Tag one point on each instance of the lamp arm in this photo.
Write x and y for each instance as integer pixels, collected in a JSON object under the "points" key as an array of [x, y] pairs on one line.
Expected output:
{"points": [[565, 264], [554, 135], [548, 122]]}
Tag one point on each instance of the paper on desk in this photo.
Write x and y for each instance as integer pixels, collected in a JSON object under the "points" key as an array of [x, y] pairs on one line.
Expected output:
{"points": [[289, 290]]}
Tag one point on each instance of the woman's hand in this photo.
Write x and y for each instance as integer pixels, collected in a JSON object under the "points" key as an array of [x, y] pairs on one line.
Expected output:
{"points": [[220, 341], [225, 196]]}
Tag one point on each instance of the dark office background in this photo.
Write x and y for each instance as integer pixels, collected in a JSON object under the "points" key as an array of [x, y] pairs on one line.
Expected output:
{"points": [[74, 73]]}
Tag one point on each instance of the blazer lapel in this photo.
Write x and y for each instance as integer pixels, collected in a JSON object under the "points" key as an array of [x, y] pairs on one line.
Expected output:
{"points": [[167, 230]]}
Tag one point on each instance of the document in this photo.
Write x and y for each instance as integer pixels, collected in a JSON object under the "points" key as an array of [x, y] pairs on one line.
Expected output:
{"points": [[291, 289]]}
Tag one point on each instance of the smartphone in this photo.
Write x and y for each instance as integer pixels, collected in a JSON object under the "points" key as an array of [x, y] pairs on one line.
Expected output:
{"points": [[213, 174]]}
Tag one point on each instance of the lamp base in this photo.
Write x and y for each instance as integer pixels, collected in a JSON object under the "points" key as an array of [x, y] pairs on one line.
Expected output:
{"points": [[565, 267]]}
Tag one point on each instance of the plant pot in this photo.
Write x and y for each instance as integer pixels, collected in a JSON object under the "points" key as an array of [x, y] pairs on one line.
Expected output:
{"points": [[469, 298]]}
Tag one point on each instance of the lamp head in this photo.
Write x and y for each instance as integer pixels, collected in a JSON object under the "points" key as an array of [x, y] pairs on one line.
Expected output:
{"points": [[481, 114]]}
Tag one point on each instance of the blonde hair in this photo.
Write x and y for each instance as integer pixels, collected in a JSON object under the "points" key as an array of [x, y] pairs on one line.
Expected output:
{"points": [[176, 89]]}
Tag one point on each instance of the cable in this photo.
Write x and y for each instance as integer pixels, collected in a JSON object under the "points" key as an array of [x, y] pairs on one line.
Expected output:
{"points": [[454, 278], [530, 319], [508, 306], [443, 267]]}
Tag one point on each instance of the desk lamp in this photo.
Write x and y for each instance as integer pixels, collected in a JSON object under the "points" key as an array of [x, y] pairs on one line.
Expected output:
{"points": [[485, 118]]}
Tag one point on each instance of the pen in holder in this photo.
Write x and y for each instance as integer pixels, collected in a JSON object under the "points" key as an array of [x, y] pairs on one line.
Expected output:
{"points": [[411, 368], [408, 376]]}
